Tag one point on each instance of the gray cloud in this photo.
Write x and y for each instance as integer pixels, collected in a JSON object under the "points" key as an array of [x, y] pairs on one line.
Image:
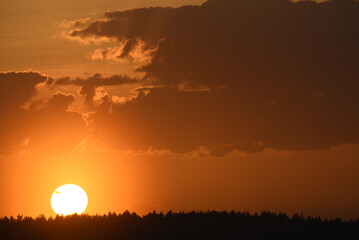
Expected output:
{"points": [[223, 120], [228, 75], [17, 87], [281, 75], [50, 128]]}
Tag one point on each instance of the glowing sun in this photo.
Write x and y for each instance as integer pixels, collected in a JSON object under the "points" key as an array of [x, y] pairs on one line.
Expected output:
{"points": [[69, 199]]}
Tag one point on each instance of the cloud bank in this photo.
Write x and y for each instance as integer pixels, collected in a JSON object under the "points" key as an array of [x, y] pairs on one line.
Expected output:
{"points": [[281, 75], [228, 75]]}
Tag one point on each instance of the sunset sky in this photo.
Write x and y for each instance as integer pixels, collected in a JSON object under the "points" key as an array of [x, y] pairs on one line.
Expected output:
{"points": [[180, 105]]}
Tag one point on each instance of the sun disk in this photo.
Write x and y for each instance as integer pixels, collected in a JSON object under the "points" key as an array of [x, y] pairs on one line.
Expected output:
{"points": [[69, 199]]}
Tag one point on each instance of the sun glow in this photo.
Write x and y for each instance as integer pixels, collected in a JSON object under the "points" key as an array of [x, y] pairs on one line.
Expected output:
{"points": [[69, 199]]}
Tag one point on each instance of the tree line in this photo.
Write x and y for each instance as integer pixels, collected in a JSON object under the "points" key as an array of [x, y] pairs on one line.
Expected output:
{"points": [[182, 225]]}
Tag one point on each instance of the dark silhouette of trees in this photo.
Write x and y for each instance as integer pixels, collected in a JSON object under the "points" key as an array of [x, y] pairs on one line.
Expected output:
{"points": [[191, 225]]}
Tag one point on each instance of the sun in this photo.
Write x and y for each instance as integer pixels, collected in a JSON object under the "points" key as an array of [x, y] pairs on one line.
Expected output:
{"points": [[69, 199]]}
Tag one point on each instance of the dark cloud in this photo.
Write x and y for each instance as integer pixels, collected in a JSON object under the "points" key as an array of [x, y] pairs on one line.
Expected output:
{"points": [[280, 74], [60, 102], [51, 128], [224, 120], [130, 44], [17, 87], [226, 75], [226, 41], [180, 121], [88, 85], [148, 24]]}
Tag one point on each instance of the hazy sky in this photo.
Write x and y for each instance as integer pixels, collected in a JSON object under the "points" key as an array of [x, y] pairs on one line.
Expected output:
{"points": [[224, 104]]}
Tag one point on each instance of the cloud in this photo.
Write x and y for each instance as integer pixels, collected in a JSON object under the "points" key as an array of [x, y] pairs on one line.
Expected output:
{"points": [[223, 77], [148, 24], [203, 44], [17, 87], [263, 64], [60, 102], [110, 53], [69, 26], [222, 121], [53, 128], [88, 85], [132, 50], [48, 128]]}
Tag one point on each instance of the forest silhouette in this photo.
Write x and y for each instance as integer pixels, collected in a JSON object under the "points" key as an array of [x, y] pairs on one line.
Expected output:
{"points": [[191, 225]]}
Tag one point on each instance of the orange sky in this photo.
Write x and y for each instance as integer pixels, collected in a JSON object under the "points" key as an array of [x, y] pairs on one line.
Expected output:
{"points": [[244, 105]]}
